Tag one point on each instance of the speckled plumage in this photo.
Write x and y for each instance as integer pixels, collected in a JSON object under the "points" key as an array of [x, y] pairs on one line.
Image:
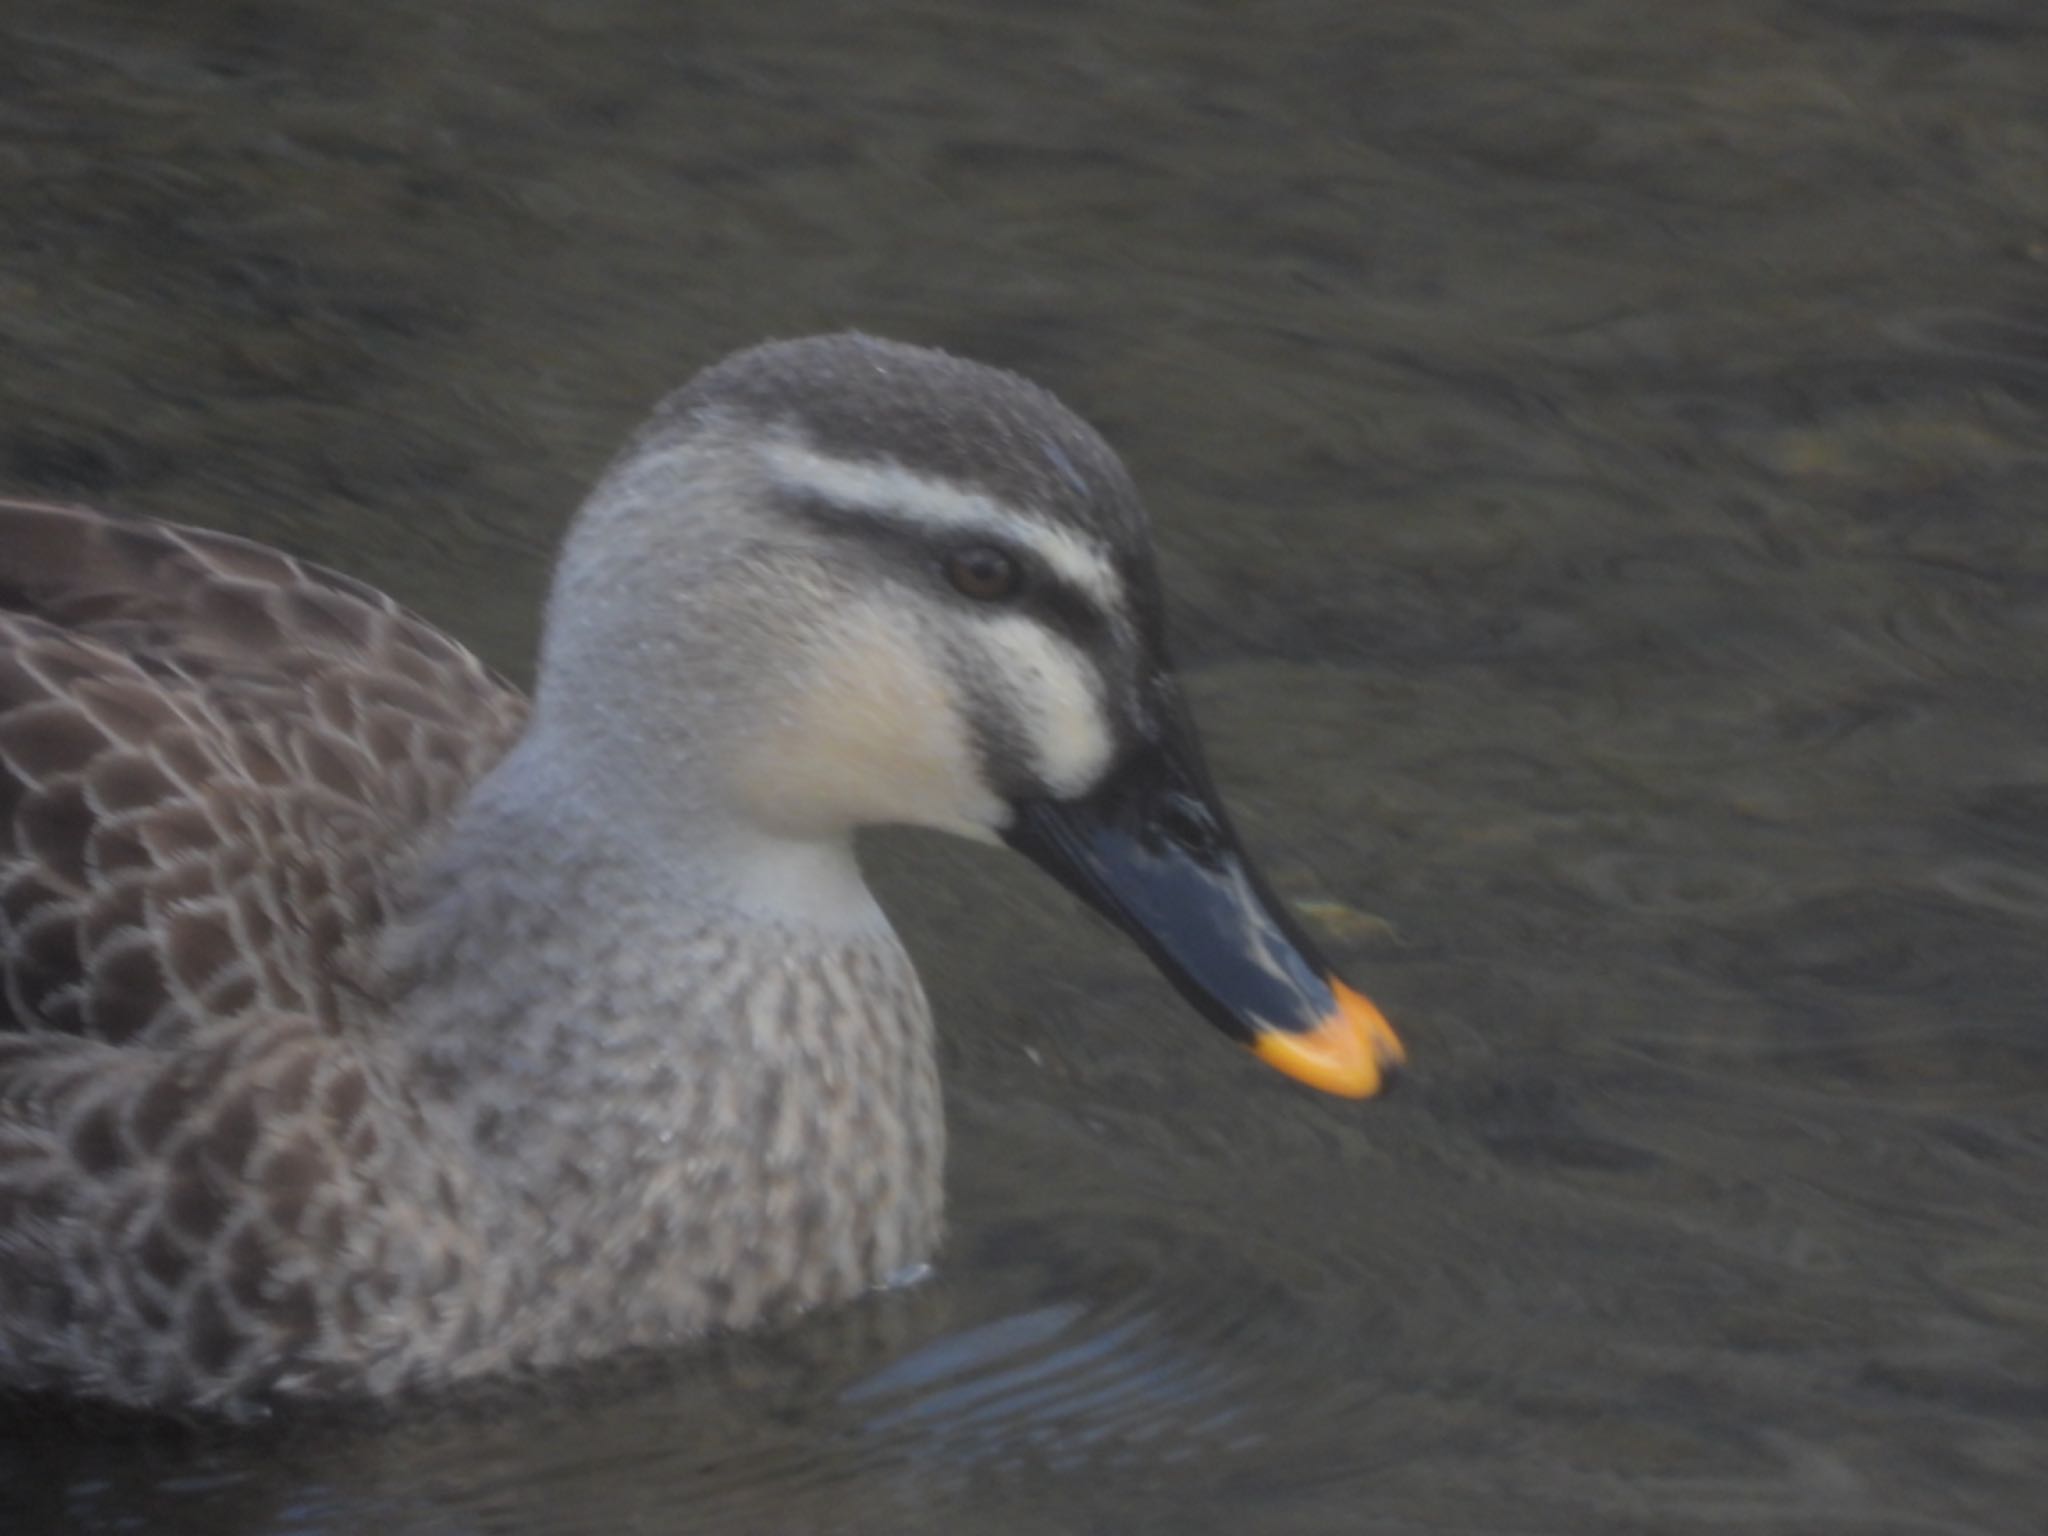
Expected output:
{"points": [[366, 1027], [211, 758], [225, 1176]]}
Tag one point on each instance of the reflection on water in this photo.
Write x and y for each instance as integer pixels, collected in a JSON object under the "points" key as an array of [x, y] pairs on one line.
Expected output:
{"points": [[1075, 1389], [1599, 456]]}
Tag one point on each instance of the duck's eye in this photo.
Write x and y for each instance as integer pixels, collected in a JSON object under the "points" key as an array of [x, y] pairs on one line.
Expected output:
{"points": [[984, 573]]}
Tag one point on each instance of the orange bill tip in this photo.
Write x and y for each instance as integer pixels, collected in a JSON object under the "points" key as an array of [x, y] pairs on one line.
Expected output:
{"points": [[1351, 1052]]}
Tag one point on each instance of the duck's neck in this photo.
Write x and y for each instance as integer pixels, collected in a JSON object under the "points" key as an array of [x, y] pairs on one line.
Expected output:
{"points": [[688, 1066]]}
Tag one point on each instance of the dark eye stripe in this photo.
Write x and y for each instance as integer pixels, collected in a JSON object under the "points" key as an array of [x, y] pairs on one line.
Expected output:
{"points": [[1066, 610], [1043, 593]]}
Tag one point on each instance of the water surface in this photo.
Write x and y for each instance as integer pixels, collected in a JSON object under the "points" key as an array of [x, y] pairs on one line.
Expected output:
{"points": [[1600, 461]]}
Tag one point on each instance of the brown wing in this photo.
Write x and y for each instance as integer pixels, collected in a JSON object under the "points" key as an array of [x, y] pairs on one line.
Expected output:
{"points": [[212, 759]]}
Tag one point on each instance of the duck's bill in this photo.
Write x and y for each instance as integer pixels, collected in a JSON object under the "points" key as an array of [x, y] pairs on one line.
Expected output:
{"points": [[1154, 853]]}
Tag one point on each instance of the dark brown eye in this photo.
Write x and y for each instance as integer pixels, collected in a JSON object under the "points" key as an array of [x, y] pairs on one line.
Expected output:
{"points": [[984, 573]]}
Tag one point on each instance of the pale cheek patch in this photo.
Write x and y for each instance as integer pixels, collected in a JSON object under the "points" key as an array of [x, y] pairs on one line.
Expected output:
{"points": [[1055, 695], [871, 735]]}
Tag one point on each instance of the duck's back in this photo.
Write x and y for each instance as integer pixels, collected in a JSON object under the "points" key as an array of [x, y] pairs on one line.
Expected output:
{"points": [[213, 759], [210, 755]]}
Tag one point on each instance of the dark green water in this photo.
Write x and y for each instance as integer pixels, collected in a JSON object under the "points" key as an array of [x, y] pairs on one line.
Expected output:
{"points": [[1600, 452]]}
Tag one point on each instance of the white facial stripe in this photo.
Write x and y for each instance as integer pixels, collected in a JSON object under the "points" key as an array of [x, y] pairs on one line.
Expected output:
{"points": [[1058, 698], [920, 501]]}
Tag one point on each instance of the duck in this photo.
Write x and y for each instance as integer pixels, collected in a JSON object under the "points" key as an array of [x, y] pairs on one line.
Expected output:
{"points": [[369, 1027]]}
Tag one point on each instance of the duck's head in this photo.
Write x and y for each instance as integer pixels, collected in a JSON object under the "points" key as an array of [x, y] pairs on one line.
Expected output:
{"points": [[842, 582]]}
